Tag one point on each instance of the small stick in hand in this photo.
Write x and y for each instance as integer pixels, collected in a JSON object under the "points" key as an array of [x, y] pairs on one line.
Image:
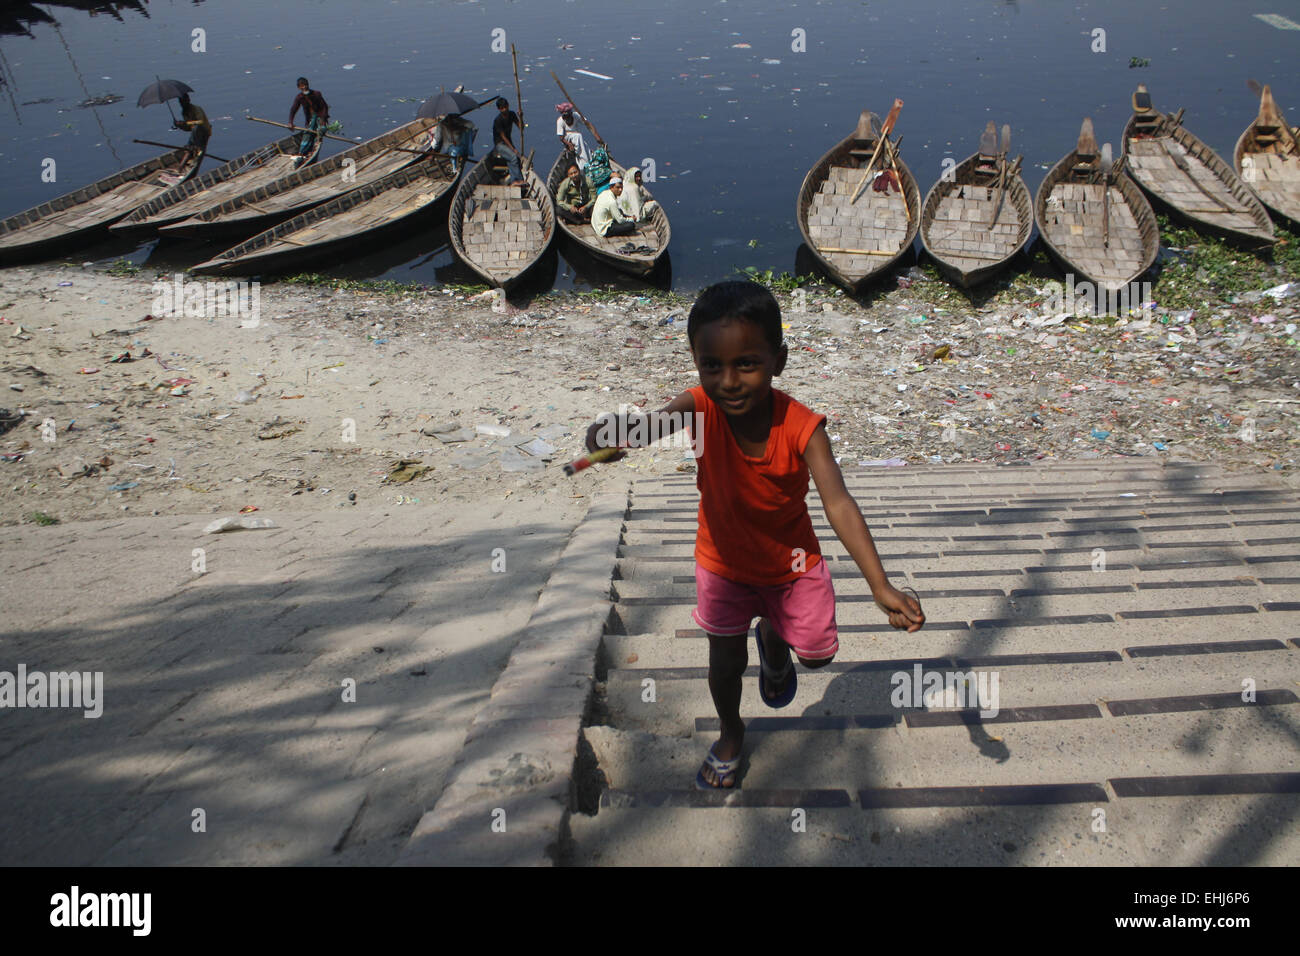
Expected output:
{"points": [[597, 456]]}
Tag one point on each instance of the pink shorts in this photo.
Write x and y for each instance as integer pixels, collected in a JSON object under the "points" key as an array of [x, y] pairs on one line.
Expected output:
{"points": [[802, 610]]}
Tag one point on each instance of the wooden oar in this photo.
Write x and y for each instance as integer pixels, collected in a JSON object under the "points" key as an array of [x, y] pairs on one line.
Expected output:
{"points": [[859, 252], [885, 129], [892, 153], [581, 115], [1172, 123], [1002, 172], [1012, 170], [519, 99], [1105, 201], [341, 139], [149, 142]]}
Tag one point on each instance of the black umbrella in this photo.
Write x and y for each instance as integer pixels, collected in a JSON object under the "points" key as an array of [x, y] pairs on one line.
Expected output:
{"points": [[446, 104], [161, 92]]}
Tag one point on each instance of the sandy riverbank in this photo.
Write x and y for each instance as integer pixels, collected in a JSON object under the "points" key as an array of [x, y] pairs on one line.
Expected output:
{"points": [[1014, 384]]}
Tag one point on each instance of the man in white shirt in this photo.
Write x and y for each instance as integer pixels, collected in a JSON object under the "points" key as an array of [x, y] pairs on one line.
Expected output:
{"points": [[606, 218], [566, 128]]}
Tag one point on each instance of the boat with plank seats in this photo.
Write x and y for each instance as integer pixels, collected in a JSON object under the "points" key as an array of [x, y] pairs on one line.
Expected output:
{"points": [[637, 253], [256, 209], [1184, 174], [346, 221], [263, 165], [978, 217], [1267, 159], [77, 217], [501, 231], [856, 238], [1094, 219]]}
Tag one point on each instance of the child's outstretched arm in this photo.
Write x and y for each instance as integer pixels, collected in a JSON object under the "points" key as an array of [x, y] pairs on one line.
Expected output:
{"points": [[846, 518], [633, 430]]}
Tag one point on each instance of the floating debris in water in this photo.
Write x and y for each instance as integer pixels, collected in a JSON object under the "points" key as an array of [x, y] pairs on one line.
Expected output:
{"points": [[599, 76], [1276, 20]]}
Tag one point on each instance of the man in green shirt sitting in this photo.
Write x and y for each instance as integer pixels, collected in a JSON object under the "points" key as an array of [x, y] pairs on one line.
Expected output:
{"points": [[573, 198]]}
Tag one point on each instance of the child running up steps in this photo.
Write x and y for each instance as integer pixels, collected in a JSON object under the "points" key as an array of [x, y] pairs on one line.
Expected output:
{"points": [[756, 553]]}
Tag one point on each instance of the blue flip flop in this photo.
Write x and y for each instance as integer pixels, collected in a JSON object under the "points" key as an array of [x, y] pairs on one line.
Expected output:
{"points": [[792, 685], [723, 768]]}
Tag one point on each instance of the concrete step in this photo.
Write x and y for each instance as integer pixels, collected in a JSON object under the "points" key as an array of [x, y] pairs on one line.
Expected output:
{"points": [[866, 694], [1171, 831], [1198, 612], [1119, 691], [1256, 738], [1019, 647]]}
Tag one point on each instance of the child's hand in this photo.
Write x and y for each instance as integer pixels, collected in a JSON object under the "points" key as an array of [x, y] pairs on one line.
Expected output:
{"points": [[904, 610], [594, 431]]}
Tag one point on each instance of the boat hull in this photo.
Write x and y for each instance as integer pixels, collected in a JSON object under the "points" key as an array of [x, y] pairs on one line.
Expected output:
{"points": [[257, 167], [1149, 160], [836, 222], [257, 209], [1271, 169], [656, 232], [84, 215], [482, 222], [966, 250], [1070, 220], [347, 222]]}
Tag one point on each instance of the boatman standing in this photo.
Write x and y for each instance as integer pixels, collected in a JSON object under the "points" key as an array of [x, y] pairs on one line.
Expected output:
{"points": [[196, 121], [570, 135], [315, 111]]}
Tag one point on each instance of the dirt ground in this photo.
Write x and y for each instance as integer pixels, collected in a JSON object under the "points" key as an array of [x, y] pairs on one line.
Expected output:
{"points": [[318, 402]]}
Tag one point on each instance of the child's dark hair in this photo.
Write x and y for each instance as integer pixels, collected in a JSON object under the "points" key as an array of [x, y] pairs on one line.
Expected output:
{"points": [[737, 300], [302, 81]]}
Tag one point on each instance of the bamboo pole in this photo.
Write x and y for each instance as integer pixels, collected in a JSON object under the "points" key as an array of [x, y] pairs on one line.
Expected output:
{"points": [[341, 139], [885, 129], [519, 101], [149, 142], [859, 252]]}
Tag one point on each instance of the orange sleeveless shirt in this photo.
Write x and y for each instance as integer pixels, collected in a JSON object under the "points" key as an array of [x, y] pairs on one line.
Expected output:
{"points": [[753, 512]]}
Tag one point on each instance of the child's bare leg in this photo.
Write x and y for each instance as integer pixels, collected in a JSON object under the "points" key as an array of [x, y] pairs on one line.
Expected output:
{"points": [[728, 658], [777, 652]]}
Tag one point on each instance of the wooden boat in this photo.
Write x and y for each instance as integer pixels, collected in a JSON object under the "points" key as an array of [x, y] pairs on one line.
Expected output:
{"points": [[957, 221], [256, 209], [346, 220], [1180, 171], [1267, 158], [59, 224], [1106, 234], [855, 241], [653, 234], [263, 165], [501, 231]]}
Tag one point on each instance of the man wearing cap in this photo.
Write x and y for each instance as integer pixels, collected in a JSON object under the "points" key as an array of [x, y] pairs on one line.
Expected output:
{"points": [[570, 135], [607, 218]]}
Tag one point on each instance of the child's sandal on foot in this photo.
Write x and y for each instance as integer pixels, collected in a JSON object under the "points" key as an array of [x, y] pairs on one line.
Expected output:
{"points": [[721, 768]]}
